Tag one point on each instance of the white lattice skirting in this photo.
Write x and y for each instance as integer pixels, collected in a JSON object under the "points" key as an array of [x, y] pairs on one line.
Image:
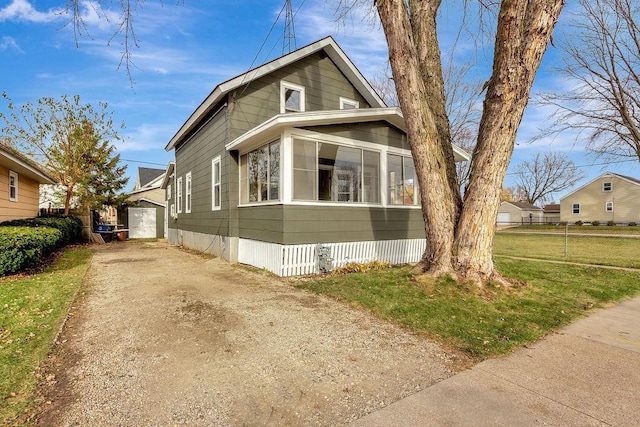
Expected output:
{"points": [[296, 260]]}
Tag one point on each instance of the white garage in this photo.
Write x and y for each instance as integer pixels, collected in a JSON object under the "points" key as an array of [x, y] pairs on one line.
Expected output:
{"points": [[142, 223]]}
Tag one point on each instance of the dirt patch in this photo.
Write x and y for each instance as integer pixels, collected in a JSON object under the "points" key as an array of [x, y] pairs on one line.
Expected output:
{"points": [[165, 337]]}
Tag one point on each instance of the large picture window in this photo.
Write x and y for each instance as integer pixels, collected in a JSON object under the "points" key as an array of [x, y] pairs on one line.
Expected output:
{"points": [[260, 174], [330, 172], [403, 182]]}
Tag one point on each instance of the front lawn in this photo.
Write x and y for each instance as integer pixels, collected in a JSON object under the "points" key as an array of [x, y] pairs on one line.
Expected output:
{"points": [[32, 309], [489, 324]]}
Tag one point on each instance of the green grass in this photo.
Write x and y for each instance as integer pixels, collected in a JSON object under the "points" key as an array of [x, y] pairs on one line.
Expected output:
{"points": [[482, 326], [32, 309], [575, 229], [601, 250]]}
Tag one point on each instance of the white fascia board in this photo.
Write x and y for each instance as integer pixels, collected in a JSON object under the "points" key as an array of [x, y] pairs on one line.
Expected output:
{"points": [[273, 127], [167, 175], [23, 168], [153, 202]]}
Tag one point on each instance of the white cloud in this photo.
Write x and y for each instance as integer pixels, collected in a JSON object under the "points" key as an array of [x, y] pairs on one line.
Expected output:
{"points": [[146, 137], [9, 43], [22, 10]]}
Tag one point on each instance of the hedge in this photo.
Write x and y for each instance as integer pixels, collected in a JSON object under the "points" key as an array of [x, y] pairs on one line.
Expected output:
{"points": [[23, 243]]}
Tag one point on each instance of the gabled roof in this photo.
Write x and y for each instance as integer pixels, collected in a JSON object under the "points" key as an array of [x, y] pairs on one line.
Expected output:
{"points": [[147, 175], [525, 206], [328, 45], [629, 179], [167, 176], [552, 207], [18, 162]]}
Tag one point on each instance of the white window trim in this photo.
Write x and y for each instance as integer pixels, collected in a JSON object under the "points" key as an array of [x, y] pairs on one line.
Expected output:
{"points": [[179, 194], [216, 205], [608, 206], [286, 169], [169, 192], [13, 175], [286, 85], [579, 208], [188, 193], [610, 187], [344, 101]]}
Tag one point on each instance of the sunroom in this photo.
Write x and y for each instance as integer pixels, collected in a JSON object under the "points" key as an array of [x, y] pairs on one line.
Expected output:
{"points": [[320, 189]]}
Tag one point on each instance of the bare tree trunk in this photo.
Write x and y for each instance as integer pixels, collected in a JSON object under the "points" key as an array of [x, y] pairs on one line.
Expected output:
{"points": [[427, 126], [524, 31]]}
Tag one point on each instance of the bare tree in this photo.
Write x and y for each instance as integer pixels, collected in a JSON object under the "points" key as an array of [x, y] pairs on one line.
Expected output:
{"points": [[603, 68], [462, 105], [544, 175], [460, 235]]}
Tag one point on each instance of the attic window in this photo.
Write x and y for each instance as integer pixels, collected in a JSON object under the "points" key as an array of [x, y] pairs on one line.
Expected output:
{"points": [[348, 104], [291, 97], [607, 186]]}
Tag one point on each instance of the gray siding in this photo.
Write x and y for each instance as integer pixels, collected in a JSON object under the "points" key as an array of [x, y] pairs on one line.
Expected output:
{"points": [[325, 224], [196, 157], [258, 101], [378, 132]]}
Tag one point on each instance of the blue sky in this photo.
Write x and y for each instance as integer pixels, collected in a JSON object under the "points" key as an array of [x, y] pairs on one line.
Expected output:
{"points": [[187, 48]]}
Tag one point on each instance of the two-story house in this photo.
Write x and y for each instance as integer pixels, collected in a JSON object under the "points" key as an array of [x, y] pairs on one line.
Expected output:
{"points": [[296, 166], [609, 197]]}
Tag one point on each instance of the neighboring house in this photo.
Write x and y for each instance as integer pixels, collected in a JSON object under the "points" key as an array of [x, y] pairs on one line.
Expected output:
{"points": [[20, 179], [518, 213], [551, 213], [610, 197], [145, 215], [296, 166]]}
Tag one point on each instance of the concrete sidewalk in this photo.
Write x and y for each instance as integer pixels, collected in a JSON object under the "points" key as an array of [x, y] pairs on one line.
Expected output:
{"points": [[586, 374]]}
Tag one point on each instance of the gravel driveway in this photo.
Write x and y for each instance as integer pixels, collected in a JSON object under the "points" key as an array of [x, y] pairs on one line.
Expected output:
{"points": [[166, 337]]}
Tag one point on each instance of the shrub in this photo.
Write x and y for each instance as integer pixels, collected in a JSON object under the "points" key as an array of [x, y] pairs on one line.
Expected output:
{"points": [[23, 247], [579, 223], [595, 223], [24, 242], [632, 224], [610, 223], [70, 227]]}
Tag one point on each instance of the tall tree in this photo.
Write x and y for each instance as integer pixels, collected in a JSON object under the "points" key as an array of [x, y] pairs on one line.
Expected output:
{"points": [[544, 175], [73, 141], [460, 235], [603, 67]]}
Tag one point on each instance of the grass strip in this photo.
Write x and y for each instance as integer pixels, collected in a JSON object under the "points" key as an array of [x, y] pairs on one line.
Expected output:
{"points": [[488, 324], [32, 309], [600, 250]]}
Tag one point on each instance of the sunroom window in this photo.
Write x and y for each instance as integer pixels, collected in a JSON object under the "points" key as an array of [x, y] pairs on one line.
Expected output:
{"points": [[331, 172], [402, 180], [260, 174]]}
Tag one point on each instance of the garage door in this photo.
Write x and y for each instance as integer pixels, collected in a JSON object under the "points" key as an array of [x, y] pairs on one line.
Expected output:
{"points": [[142, 223], [504, 218]]}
